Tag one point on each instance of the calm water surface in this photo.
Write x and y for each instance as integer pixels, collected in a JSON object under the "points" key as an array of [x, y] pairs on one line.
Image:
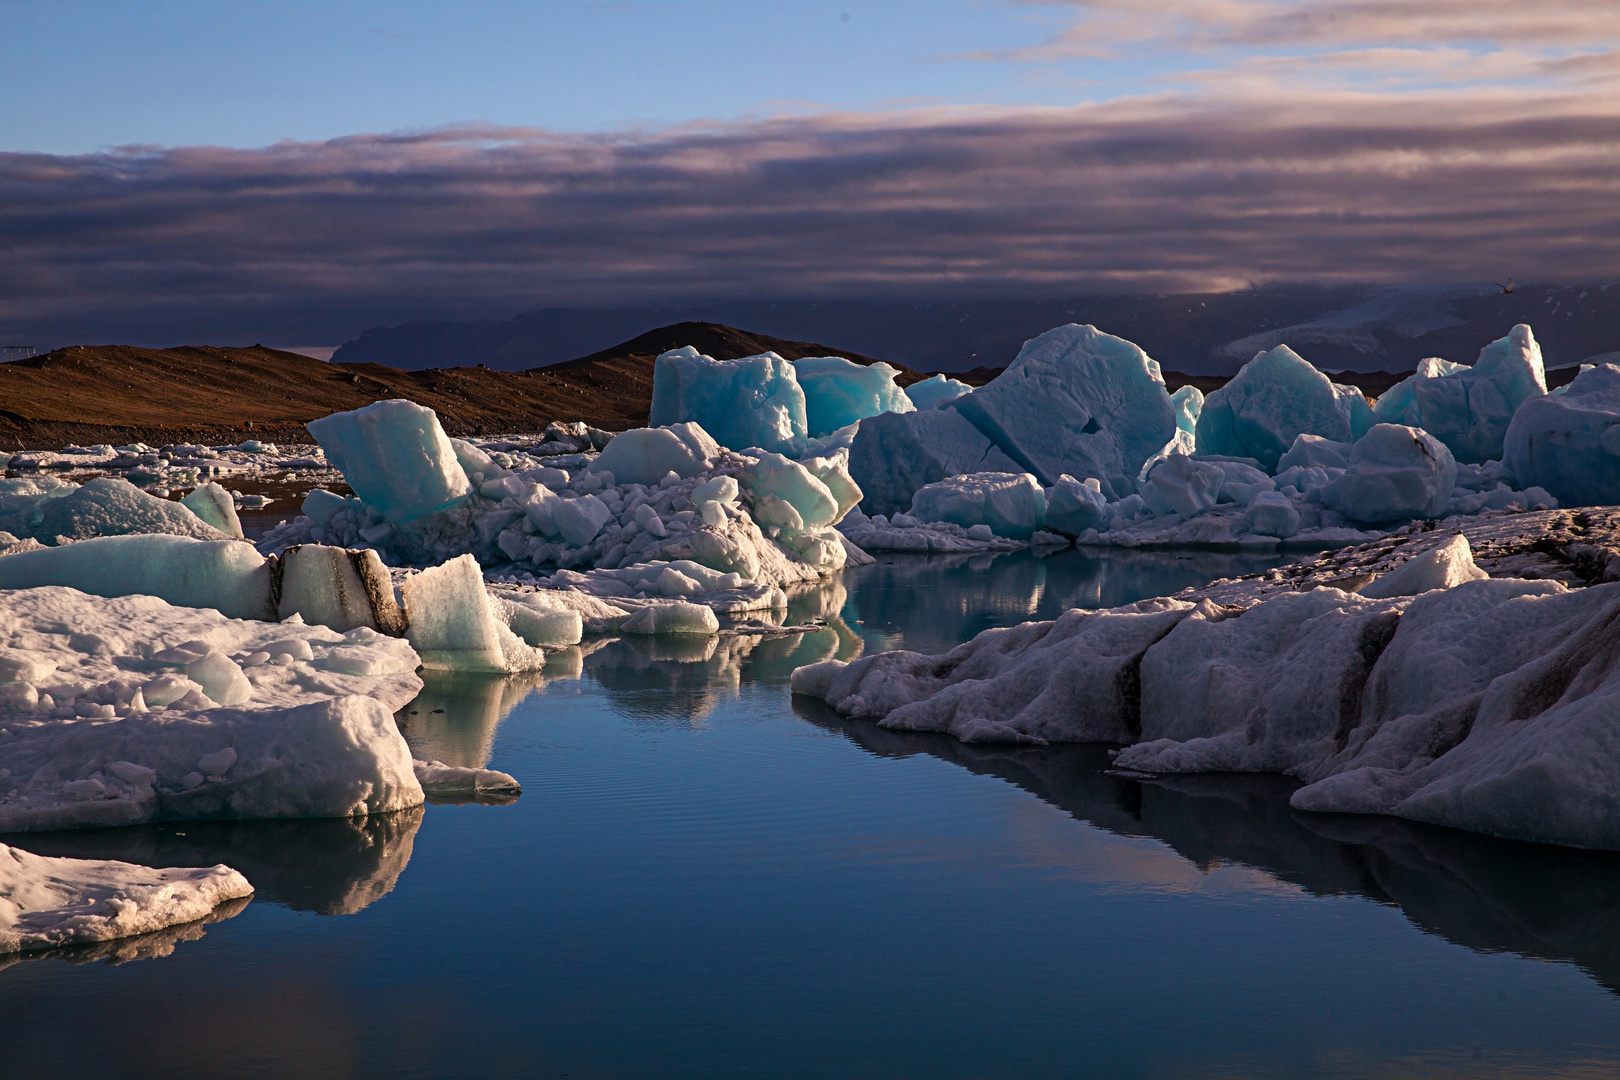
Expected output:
{"points": [[706, 877]]}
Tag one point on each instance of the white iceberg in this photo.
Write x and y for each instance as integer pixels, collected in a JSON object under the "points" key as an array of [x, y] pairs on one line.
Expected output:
{"points": [[455, 625], [115, 711], [214, 505], [1443, 567], [227, 575], [647, 455], [1269, 513], [1315, 452], [48, 903], [105, 506], [1073, 506], [1182, 485], [1264, 690], [1067, 680]]}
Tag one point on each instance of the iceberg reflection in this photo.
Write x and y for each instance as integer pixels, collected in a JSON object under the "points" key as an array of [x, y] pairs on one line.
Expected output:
{"points": [[1484, 894]]}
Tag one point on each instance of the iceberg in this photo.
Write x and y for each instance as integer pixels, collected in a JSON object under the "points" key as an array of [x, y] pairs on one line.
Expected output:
{"points": [[1315, 452], [894, 454], [1357, 410], [752, 402], [1075, 400], [1183, 485], [1073, 506], [1395, 472], [227, 575], [906, 533], [49, 903], [1067, 680], [1569, 443], [214, 505], [1271, 401], [455, 625], [105, 506], [1264, 690], [396, 457], [1009, 504], [1470, 410], [1444, 567], [1492, 710], [787, 482], [1269, 513], [676, 618], [535, 519], [647, 455], [118, 711], [1240, 481], [1399, 404], [934, 391], [839, 392], [1188, 403], [337, 588]]}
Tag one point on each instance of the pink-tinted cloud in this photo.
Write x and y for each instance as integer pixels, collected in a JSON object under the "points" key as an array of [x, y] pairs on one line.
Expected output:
{"points": [[1160, 194]]}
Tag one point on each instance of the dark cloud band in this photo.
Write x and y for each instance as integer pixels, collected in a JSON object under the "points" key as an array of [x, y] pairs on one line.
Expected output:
{"points": [[301, 242]]}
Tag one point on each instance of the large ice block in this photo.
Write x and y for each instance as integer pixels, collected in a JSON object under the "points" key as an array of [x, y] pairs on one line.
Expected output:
{"points": [[934, 391], [1470, 410], [1011, 504], [1569, 443], [396, 457], [755, 401], [1075, 400], [646, 455], [1395, 472], [226, 575], [894, 454], [1399, 404], [1274, 399], [838, 392]]}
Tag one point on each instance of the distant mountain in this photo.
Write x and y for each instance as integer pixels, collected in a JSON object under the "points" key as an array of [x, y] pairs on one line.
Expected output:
{"points": [[1350, 328]]}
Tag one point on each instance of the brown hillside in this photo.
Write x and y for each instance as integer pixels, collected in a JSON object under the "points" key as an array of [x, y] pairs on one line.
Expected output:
{"points": [[120, 393]]}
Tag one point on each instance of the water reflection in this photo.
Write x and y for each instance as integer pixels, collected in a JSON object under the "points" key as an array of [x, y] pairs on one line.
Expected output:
{"points": [[454, 718], [328, 866], [1485, 894], [934, 603]]}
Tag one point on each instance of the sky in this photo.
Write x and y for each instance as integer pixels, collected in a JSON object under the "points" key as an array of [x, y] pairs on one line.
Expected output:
{"points": [[318, 168]]}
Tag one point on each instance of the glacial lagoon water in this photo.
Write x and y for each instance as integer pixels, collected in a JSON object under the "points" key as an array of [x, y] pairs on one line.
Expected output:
{"points": [[707, 877]]}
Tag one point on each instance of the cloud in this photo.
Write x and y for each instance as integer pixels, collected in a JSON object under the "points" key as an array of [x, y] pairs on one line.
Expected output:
{"points": [[1573, 23], [312, 241], [1466, 41]]}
